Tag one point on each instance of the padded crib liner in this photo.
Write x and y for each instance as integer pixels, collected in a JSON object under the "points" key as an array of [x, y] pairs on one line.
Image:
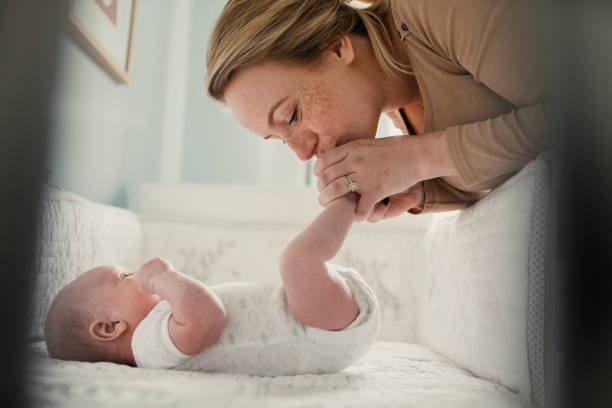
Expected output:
{"points": [[482, 301]]}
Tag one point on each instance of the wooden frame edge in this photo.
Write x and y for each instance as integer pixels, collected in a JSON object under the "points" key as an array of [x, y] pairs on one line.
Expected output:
{"points": [[85, 38]]}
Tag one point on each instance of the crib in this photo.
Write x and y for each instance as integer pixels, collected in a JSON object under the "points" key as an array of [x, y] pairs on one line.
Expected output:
{"points": [[466, 297]]}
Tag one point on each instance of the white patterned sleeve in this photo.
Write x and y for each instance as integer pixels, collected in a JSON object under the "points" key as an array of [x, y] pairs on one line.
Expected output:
{"points": [[151, 343]]}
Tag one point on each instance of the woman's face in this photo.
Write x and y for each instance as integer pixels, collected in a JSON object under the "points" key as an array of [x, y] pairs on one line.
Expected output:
{"points": [[313, 109]]}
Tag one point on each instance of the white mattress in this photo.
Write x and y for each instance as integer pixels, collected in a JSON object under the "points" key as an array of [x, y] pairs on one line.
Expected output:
{"points": [[389, 375]]}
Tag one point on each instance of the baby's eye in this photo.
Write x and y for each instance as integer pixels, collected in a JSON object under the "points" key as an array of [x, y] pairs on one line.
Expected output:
{"points": [[124, 275]]}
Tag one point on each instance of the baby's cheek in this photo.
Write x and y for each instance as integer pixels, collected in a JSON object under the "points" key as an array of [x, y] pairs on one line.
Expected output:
{"points": [[143, 303]]}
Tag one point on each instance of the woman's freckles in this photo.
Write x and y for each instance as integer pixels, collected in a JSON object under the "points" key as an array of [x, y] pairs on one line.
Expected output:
{"points": [[319, 99], [317, 108]]}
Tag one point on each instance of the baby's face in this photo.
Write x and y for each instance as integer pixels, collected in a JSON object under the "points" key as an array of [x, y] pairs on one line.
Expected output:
{"points": [[116, 295]]}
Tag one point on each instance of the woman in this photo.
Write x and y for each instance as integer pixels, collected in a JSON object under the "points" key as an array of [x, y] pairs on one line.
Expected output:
{"points": [[462, 77]]}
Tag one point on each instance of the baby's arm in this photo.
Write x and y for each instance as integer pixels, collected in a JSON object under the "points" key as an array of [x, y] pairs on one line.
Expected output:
{"points": [[198, 316], [317, 296]]}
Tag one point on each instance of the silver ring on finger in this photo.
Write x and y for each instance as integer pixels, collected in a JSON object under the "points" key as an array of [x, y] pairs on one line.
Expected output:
{"points": [[352, 185]]}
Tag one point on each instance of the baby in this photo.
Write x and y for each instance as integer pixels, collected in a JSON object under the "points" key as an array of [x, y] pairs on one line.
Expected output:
{"points": [[321, 320]]}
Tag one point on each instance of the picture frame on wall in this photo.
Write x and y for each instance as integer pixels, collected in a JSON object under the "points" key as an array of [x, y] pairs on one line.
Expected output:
{"points": [[105, 29]]}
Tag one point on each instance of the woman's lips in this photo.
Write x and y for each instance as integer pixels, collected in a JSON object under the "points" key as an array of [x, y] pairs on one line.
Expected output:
{"points": [[318, 152]]}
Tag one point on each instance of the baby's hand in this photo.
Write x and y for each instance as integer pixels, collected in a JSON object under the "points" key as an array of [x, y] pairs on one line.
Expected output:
{"points": [[148, 273]]}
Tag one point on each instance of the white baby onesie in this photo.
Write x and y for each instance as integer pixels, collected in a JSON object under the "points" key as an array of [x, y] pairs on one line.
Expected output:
{"points": [[261, 336]]}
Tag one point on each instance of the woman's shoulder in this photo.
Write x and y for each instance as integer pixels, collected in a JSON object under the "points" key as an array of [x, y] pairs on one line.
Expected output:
{"points": [[437, 8], [422, 15], [447, 26], [423, 19]]}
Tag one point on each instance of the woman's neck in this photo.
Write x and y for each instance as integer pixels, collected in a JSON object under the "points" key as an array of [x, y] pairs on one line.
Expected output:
{"points": [[401, 89]]}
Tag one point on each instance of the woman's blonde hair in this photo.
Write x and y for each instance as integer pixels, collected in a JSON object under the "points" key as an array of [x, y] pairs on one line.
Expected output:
{"points": [[249, 32]]}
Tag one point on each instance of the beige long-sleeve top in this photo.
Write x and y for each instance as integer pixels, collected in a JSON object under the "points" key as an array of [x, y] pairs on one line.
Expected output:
{"points": [[479, 65]]}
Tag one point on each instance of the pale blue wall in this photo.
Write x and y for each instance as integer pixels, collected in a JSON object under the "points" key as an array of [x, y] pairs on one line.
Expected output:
{"points": [[110, 138], [216, 148], [107, 135]]}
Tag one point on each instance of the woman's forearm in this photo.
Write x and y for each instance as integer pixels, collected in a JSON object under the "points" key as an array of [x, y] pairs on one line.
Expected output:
{"points": [[434, 159]]}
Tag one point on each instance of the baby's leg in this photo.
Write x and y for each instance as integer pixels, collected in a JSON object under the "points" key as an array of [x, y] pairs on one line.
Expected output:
{"points": [[319, 297]]}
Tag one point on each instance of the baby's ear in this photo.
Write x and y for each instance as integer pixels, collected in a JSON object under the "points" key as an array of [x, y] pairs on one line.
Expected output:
{"points": [[106, 330]]}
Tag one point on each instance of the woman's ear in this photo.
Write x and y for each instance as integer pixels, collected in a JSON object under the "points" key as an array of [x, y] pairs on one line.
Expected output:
{"points": [[344, 49], [106, 330]]}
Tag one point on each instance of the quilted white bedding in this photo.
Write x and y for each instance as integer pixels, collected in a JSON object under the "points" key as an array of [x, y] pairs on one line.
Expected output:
{"points": [[391, 374]]}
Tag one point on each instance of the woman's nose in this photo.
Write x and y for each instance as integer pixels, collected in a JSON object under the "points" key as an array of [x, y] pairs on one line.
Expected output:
{"points": [[303, 145]]}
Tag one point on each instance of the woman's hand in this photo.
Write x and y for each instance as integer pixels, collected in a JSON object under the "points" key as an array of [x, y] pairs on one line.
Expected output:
{"points": [[382, 168], [379, 167], [398, 203]]}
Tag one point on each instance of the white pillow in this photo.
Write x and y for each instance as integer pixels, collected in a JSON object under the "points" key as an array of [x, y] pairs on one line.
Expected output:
{"points": [[74, 235], [482, 299]]}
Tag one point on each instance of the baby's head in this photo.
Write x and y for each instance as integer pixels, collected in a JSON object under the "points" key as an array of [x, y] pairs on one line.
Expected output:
{"points": [[93, 318]]}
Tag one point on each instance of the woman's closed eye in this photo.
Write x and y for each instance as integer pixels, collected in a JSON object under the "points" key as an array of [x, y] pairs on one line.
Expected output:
{"points": [[294, 116]]}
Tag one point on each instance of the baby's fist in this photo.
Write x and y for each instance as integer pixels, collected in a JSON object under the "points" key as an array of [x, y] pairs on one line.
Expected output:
{"points": [[148, 273]]}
